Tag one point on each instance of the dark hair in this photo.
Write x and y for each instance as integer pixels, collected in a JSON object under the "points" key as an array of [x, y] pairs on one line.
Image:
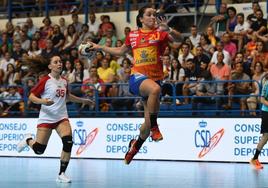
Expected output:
{"points": [[231, 8], [47, 18], [241, 14], [140, 15]]}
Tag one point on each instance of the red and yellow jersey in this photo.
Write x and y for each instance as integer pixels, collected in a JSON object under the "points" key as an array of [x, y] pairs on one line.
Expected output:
{"points": [[147, 48]]}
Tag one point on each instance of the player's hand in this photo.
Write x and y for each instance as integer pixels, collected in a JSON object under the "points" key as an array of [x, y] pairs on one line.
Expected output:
{"points": [[48, 102], [88, 101], [162, 23]]}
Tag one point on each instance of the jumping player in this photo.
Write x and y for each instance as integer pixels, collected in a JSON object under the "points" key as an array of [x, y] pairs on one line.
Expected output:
{"points": [[52, 92], [147, 43]]}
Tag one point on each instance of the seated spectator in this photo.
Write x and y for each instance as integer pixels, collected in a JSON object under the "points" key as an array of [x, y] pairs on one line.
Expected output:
{"points": [[260, 55], [10, 101], [176, 76], [31, 28], [260, 25], [253, 100], [194, 37], [25, 42], [231, 20], [93, 26], [121, 89], [205, 44], [71, 37], [226, 55], [238, 88], [228, 45], [5, 42], [220, 19], [18, 52], [34, 49], [125, 65], [62, 25], [67, 70], [77, 25], [220, 72], [57, 38], [109, 34], [105, 72], [185, 55], [206, 91], [252, 17], [191, 78], [200, 57], [11, 77], [7, 59], [50, 50], [84, 34]]}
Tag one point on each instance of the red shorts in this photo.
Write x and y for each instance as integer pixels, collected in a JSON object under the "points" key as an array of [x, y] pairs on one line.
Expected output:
{"points": [[52, 125]]}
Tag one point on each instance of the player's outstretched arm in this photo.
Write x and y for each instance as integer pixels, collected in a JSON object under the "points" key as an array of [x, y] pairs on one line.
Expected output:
{"points": [[75, 99], [118, 51], [38, 100]]}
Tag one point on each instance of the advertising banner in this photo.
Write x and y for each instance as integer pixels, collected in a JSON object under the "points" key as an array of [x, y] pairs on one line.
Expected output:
{"points": [[194, 139]]}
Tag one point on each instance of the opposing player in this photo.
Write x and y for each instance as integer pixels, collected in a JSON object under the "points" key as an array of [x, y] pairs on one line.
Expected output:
{"points": [[52, 92], [147, 43], [264, 124]]}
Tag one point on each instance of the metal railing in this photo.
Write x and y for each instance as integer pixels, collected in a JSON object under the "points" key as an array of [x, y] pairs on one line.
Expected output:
{"points": [[170, 107]]}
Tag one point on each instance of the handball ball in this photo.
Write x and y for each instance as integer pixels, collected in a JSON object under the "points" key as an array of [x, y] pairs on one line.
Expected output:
{"points": [[84, 49]]}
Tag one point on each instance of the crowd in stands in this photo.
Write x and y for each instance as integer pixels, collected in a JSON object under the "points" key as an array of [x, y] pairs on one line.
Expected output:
{"points": [[236, 51]]}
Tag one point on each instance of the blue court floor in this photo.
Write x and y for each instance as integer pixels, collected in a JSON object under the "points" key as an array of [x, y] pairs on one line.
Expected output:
{"points": [[89, 173]]}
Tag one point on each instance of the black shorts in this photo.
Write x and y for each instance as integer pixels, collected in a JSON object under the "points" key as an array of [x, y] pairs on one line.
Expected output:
{"points": [[264, 122]]}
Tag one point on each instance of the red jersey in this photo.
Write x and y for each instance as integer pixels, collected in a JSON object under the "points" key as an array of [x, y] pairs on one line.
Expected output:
{"points": [[147, 48]]}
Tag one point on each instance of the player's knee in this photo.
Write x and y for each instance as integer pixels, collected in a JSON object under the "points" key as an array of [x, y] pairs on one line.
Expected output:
{"points": [[39, 148], [67, 142]]}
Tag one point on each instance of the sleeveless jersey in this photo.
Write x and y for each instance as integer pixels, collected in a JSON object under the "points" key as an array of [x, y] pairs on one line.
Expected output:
{"points": [[55, 90], [147, 47]]}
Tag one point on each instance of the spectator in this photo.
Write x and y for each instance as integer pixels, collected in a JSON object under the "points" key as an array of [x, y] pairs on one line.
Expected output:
{"points": [[67, 70], [220, 72], [126, 32], [5, 61], [205, 44], [9, 29], [228, 45], [253, 16], [57, 38], [5, 43], [253, 100], [34, 49], [185, 55], [220, 19], [126, 63], [105, 72], [77, 25], [84, 35], [105, 26], [11, 77], [121, 89], [25, 42], [46, 30], [50, 50], [31, 28], [231, 20], [260, 24], [191, 78], [62, 25], [200, 57], [109, 34], [238, 88], [205, 92], [220, 48], [10, 100], [211, 36], [241, 30], [260, 55], [93, 26], [71, 37], [194, 37]]}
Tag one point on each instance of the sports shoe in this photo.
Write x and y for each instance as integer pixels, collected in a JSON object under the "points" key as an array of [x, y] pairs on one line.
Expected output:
{"points": [[62, 178], [132, 151], [156, 134], [256, 164], [22, 144]]}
